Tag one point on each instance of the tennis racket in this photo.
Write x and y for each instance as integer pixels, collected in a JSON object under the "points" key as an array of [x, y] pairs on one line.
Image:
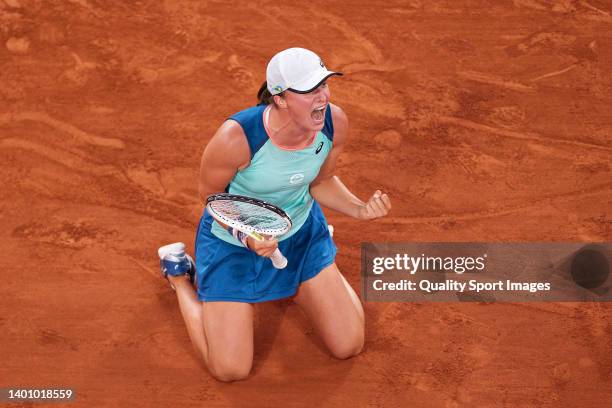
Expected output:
{"points": [[251, 216]]}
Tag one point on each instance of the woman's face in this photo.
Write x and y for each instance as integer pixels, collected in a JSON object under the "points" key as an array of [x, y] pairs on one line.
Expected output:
{"points": [[308, 110]]}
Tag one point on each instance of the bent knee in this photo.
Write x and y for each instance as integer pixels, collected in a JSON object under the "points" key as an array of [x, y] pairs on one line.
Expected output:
{"points": [[228, 372], [347, 348]]}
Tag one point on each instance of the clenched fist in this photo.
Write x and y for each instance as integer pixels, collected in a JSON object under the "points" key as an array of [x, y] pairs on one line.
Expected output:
{"points": [[377, 206]]}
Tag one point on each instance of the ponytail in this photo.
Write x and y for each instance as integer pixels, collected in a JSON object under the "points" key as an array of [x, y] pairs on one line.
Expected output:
{"points": [[264, 97]]}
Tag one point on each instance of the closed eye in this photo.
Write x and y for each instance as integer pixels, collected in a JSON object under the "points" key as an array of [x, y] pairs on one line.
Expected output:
{"points": [[322, 86]]}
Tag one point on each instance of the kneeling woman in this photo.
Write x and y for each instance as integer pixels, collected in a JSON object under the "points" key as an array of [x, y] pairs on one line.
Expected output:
{"points": [[282, 151]]}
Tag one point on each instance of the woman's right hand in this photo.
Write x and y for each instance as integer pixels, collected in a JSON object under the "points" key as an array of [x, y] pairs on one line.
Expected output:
{"points": [[262, 248]]}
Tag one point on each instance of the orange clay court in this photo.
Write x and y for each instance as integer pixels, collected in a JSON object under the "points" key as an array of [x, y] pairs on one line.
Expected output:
{"points": [[483, 120]]}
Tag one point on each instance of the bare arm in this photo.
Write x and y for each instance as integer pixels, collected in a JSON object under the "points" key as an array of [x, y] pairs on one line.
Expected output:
{"points": [[226, 153], [330, 192]]}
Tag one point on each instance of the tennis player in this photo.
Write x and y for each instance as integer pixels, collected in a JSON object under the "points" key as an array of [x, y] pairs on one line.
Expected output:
{"points": [[283, 151]]}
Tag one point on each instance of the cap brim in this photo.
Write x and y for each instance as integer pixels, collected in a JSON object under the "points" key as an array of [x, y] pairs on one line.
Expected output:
{"points": [[312, 88]]}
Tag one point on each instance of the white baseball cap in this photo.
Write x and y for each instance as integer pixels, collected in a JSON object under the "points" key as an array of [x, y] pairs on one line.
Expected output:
{"points": [[297, 69]]}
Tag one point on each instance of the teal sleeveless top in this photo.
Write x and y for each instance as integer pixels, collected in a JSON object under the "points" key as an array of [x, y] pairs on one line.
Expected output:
{"points": [[276, 175]]}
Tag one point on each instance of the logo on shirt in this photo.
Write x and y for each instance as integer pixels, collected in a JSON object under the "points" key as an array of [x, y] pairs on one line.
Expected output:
{"points": [[296, 178], [319, 148]]}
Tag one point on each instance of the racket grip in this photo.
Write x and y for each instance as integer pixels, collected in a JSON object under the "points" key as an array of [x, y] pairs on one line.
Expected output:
{"points": [[278, 259]]}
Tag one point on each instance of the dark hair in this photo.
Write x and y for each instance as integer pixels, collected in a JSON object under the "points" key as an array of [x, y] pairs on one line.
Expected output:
{"points": [[264, 97]]}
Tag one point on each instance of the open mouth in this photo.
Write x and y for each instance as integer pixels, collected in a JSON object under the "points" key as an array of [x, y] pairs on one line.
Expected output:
{"points": [[318, 114]]}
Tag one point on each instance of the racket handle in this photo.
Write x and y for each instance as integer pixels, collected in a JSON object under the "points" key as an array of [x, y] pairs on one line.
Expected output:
{"points": [[278, 259]]}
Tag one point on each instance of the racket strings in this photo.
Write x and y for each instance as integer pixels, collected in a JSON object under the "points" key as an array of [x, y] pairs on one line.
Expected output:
{"points": [[251, 215]]}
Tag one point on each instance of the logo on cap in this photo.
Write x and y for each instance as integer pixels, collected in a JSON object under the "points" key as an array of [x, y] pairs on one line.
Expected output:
{"points": [[278, 88]]}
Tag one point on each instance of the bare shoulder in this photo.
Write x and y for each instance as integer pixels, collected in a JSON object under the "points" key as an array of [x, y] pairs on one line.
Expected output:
{"points": [[230, 134], [230, 143], [341, 124], [338, 115]]}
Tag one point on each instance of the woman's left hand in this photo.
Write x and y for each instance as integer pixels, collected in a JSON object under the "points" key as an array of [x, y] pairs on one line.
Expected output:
{"points": [[377, 206]]}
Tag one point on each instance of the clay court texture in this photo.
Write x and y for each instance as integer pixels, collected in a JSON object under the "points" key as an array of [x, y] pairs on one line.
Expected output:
{"points": [[483, 120]]}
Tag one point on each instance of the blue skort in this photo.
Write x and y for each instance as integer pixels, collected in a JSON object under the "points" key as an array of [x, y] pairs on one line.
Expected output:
{"points": [[231, 273]]}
